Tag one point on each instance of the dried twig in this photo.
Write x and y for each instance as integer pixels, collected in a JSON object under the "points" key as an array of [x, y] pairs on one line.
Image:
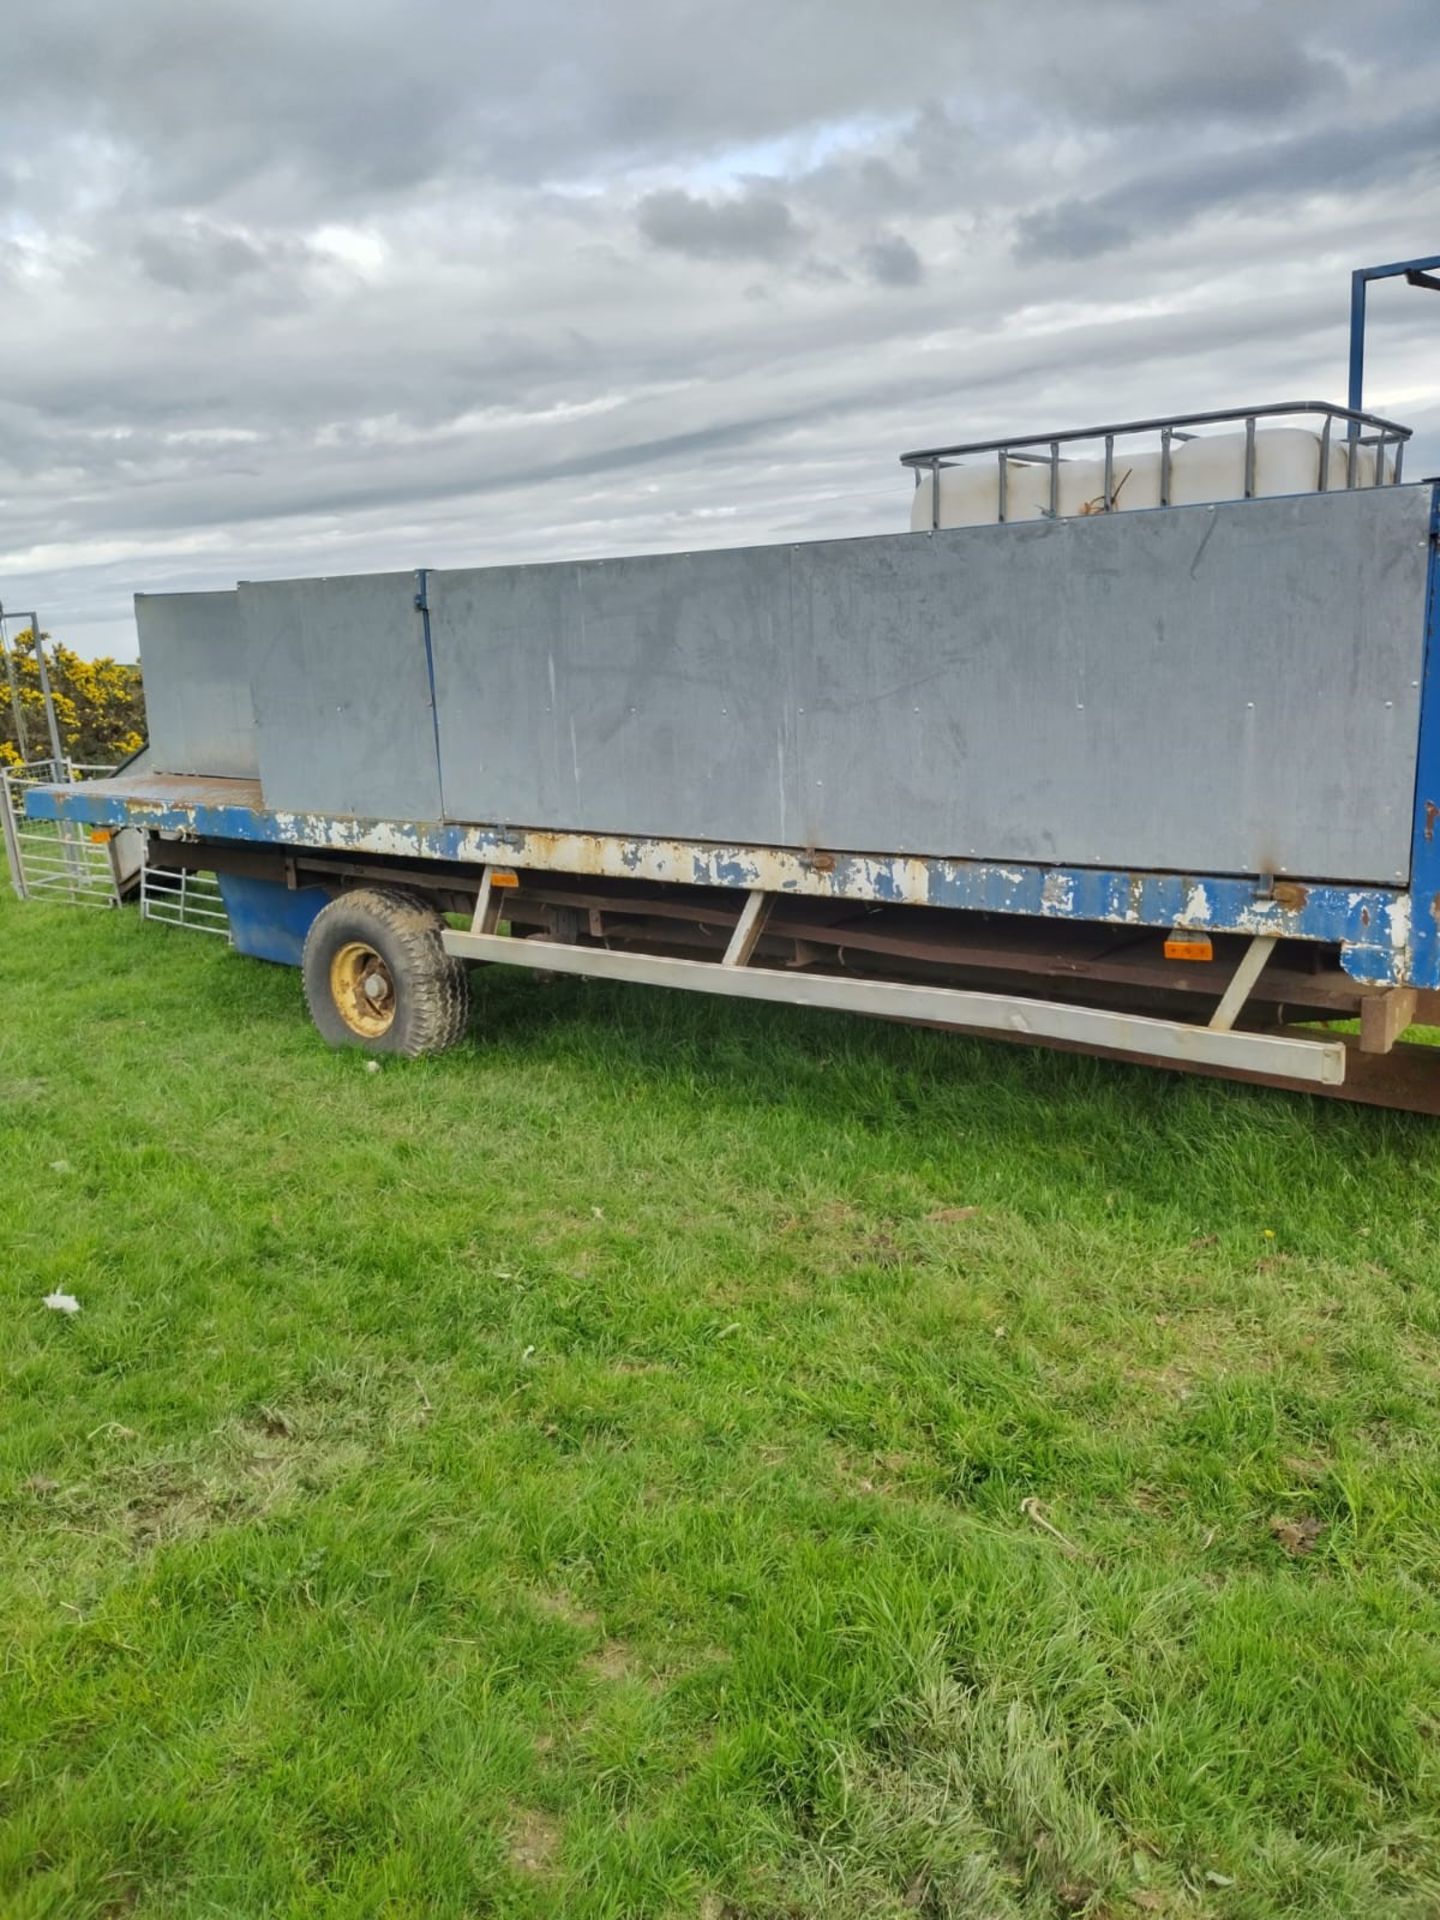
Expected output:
{"points": [[1033, 1510]]}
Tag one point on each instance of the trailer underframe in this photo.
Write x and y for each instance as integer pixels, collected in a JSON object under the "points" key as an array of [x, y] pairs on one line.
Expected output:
{"points": [[1061, 957]]}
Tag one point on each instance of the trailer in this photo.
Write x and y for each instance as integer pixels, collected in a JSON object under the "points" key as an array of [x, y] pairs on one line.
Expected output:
{"points": [[1130, 745]]}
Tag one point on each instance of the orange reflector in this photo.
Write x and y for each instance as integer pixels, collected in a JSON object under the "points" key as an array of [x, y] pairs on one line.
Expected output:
{"points": [[503, 877], [1184, 945], [100, 835]]}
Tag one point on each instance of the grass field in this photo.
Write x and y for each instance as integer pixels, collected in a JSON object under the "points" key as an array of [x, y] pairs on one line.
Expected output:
{"points": [[680, 1459]]}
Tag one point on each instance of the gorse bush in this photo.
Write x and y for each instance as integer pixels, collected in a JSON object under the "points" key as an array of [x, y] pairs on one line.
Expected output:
{"points": [[99, 706]]}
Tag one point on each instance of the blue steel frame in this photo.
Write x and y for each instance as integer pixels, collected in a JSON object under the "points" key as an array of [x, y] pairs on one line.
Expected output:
{"points": [[1370, 925], [1417, 272], [1425, 834]]}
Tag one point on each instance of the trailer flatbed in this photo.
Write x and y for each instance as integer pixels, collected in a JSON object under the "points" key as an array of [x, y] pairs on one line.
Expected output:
{"points": [[1161, 785]]}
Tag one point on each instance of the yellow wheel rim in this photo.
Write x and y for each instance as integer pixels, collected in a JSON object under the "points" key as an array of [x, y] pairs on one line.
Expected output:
{"points": [[363, 991]]}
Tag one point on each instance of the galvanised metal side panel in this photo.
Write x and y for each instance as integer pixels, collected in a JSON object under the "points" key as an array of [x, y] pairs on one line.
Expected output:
{"points": [[646, 695], [342, 696], [1220, 689], [1228, 689], [197, 684]]}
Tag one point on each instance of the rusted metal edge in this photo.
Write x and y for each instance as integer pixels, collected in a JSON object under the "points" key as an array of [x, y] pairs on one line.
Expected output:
{"points": [[1371, 925]]}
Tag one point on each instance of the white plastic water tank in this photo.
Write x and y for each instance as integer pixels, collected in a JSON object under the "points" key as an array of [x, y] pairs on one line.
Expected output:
{"points": [[1209, 467], [1287, 460], [970, 495]]}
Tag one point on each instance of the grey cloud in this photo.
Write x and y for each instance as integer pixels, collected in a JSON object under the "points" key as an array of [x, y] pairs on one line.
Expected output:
{"points": [[198, 259], [821, 271], [1251, 61], [312, 97], [752, 226], [1073, 230], [1327, 160], [891, 261]]}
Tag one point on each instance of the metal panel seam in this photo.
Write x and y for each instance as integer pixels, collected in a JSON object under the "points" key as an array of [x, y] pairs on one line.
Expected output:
{"points": [[422, 607]]}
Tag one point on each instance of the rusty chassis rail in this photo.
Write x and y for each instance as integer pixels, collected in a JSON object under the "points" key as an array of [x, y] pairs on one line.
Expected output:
{"points": [[1030, 965], [1307, 1061]]}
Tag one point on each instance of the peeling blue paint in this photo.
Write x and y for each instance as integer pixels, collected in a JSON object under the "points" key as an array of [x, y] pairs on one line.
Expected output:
{"points": [[1371, 925]]}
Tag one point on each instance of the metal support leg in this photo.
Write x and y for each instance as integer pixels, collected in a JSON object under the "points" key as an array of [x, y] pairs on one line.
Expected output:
{"points": [[487, 905], [63, 770], [11, 837], [1252, 965], [748, 929]]}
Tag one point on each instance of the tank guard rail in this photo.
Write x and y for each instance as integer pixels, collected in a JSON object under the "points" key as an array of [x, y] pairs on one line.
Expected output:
{"points": [[1171, 427]]}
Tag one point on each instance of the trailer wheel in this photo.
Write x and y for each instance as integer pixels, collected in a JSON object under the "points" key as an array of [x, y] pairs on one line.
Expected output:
{"points": [[376, 975]]}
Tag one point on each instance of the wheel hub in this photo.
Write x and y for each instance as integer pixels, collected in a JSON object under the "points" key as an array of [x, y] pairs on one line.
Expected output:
{"points": [[363, 990]]}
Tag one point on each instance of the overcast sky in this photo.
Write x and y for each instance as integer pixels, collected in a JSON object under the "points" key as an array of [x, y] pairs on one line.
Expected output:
{"points": [[292, 287]]}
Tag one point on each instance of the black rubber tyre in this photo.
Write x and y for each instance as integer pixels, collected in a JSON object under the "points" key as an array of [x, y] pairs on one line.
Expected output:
{"points": [[376, 975]]}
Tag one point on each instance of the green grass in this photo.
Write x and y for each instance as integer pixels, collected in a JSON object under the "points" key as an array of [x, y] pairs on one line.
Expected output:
{"points": [[593, 1473]]}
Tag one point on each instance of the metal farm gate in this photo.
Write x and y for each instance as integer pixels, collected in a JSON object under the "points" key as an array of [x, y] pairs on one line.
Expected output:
{"points": [[63, 860]]}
